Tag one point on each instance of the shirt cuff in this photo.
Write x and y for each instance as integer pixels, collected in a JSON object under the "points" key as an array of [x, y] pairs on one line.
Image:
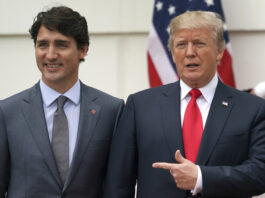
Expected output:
{"points": [[198, 186]]}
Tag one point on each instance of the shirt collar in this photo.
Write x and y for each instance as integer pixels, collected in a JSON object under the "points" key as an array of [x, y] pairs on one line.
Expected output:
{"points": [[207, 91], [49, 95]]}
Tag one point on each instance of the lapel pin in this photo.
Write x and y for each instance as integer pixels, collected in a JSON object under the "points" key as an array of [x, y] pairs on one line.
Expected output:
{"points": [[225, 103], [93, 111]]}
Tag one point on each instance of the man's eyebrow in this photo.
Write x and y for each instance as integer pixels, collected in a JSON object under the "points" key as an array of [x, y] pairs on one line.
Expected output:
{"points": [[180, 39], [62, 41], [57, 41], [41, 41]]}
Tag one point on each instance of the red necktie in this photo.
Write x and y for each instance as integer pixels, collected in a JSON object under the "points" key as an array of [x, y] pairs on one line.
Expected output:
{"points": [[192, 127]]}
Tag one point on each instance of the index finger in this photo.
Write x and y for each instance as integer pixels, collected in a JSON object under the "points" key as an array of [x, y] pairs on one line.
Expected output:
{"points": [[163, 165]]}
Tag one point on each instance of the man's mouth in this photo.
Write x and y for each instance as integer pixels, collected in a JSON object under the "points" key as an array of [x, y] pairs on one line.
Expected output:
{"points": [[52, 65], [192, 65]]}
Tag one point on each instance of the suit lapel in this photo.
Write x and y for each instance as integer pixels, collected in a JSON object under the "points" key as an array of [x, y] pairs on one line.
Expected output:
{"points": [[220, 108], [32, 109], [170, 108], [89, 114]]}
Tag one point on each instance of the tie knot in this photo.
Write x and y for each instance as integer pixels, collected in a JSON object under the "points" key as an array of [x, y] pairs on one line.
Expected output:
{"points": [[195, 93], [61, 101]]}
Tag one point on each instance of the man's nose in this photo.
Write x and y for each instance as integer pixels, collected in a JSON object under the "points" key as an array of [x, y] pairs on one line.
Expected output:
{"points": [[51, 53], [190, 52]]}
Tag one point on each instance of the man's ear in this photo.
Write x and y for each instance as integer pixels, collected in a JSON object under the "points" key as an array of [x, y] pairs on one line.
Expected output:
{"points": [[83, 51], [220, 56], [173, 55]]}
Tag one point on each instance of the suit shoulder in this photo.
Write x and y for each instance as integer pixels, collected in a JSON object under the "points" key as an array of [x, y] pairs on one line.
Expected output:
{"points": [[151, 92], [14, 99], [101, 95], [245, 96]]}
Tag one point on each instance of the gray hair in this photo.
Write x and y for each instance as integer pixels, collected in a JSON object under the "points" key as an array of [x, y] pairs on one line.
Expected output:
{"points": [[195, 20]]}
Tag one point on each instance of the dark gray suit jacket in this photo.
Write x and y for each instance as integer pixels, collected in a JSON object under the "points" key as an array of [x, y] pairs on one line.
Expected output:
{"points": [[231, 154], [27, 165]]}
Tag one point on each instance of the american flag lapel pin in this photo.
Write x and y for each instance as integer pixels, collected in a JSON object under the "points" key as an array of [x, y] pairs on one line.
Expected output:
{"points": [[225, 103], [93, 111]]}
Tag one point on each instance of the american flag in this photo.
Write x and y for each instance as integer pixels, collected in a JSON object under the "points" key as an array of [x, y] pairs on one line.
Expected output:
{"points": [[161, 68]]}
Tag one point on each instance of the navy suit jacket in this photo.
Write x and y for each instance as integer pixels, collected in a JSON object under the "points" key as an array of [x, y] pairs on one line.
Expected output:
{"points": [[231, 154], [27, 165]]}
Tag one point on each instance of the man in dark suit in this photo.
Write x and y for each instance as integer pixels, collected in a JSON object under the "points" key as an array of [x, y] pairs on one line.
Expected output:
{"points": [[49, 150], [193, 138]]}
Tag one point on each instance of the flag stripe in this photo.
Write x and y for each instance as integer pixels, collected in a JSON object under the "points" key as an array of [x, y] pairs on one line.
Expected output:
{"points": [[225, 70], [160, 59], [156, 81]]}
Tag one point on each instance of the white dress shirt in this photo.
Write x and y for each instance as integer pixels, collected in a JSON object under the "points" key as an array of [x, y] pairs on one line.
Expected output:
{"points": [[204, 102], [71, 109]]}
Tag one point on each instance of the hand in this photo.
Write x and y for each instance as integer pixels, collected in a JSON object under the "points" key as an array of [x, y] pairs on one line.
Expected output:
{"points": [[185, 173]]}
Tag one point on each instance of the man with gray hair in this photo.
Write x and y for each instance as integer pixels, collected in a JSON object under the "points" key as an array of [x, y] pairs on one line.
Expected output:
{"points": [[193, 138]]}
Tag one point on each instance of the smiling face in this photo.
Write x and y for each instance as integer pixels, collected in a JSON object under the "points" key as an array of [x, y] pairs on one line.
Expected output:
{"points": [[58, 58], [196, 56]]}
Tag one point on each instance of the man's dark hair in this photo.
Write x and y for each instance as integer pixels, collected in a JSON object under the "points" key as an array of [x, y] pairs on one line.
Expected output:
{"points": [[64, 20]]}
